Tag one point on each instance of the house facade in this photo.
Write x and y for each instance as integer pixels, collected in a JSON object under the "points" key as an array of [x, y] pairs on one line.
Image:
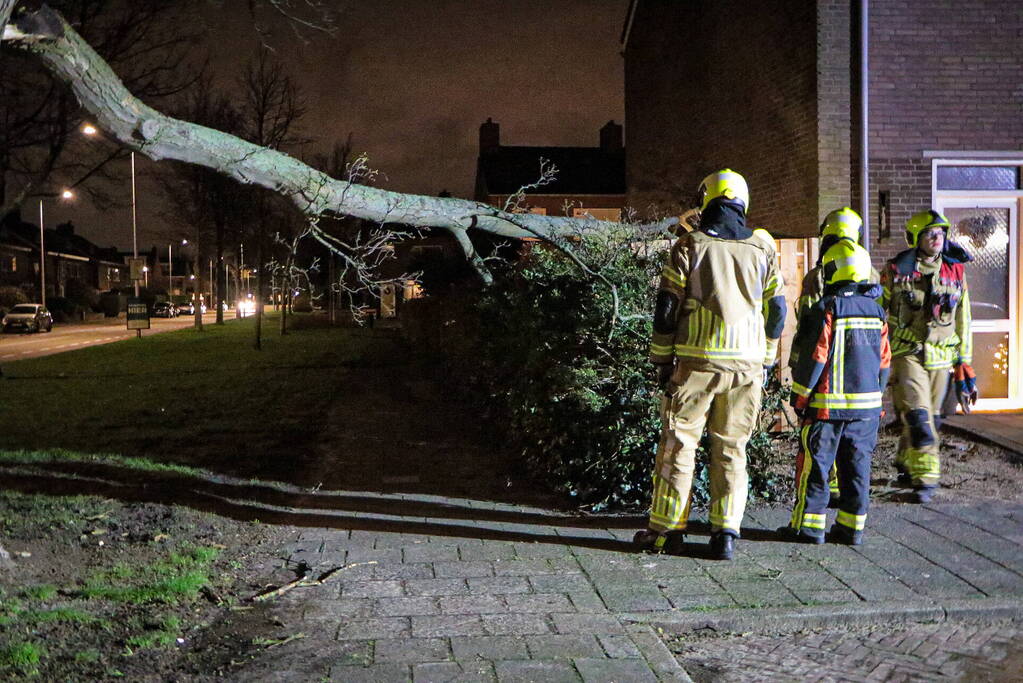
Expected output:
{"points": [[776, 90]]}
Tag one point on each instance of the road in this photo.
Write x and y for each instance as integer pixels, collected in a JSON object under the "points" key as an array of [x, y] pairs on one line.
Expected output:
{"points": [[68, 337]]}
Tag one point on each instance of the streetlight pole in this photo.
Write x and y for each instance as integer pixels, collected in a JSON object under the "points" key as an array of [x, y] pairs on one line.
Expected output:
{"points": [[42, 258], [134, 236], [170, 272]]}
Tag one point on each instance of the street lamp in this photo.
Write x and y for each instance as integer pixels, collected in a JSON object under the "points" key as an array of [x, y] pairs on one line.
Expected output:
{"points": [[91, 130], [65, 195]]}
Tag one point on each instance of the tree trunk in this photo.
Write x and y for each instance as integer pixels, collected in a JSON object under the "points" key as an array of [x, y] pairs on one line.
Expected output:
{"points": [[258, 344], [147, 131]]}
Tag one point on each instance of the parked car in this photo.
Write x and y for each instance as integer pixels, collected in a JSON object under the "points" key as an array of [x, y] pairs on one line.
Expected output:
{"points": [[188, 308], [164, 309], [28, 317]]}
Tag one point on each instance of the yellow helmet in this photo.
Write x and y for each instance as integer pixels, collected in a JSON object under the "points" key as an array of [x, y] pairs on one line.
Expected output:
{"points": [[843, 223], [924, 220], [846, 261], [724, 183]]}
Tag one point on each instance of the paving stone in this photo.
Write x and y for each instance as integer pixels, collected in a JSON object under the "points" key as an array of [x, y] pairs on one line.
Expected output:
{"points": [[463, 569], [462, 672], [499, 585], [430, 553], [531, 551], [331, 558], [587, 623], [563, 646], [560, 583], [471, 604], [391, 672], [634, 598], [531, 671], [587, 601], [688, 584], [536, 567], [411, 650], [302, 548], [436, 586], [720, 599], [489, 647], [539, 602], [618, 646], [760, 594], [399, 541], [335, 610], [602, 670], [489, 551], [819, 580], [370, 629], [400, 570], [356, 555], [371, 589], [448, 625], [515, 624], [406, 607]]}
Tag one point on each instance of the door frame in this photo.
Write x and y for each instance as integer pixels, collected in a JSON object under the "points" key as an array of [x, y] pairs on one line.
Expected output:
{"points": [[1013, 201]]}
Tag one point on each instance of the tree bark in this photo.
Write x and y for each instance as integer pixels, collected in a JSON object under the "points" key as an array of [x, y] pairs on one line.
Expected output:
{"points": [[147, 131]]}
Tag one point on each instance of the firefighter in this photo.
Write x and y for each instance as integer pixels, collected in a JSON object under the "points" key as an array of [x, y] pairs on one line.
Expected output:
{"points": [[928, 306], [836, 387], [717, 320], [840, 224]]}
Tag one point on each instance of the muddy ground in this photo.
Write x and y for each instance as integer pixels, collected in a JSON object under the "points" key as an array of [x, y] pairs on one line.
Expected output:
{"points": [[64, 548]]}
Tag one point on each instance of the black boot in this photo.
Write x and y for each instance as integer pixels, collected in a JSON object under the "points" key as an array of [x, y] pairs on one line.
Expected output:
{"points": [[923, 494], [787, 533], [842, 534], [651, 541], [722, 545]]}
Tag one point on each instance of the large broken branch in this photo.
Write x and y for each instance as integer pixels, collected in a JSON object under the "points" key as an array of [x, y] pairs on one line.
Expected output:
{"points": [[147, 131]]}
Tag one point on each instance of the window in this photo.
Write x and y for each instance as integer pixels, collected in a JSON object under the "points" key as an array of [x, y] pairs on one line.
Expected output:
{"points": [[8, 264], [978, 178]]}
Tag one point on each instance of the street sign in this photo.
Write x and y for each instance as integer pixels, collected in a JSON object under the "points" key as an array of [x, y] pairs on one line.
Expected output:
{"points": [[136, 265], [138, 314]]}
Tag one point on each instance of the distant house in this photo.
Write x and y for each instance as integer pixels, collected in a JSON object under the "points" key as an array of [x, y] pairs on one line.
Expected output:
{"points": [[774, 90], [68, 257], [589, 180]]}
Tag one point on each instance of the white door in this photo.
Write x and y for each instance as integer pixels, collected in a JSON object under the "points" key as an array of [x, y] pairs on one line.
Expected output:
{"points": [[989, 230]]}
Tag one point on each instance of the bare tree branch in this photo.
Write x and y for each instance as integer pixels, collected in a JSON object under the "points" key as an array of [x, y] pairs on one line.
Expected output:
{"points": [[158, 136]]}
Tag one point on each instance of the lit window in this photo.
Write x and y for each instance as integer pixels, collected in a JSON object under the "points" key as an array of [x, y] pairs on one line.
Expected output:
{"points": [[978, 178]]}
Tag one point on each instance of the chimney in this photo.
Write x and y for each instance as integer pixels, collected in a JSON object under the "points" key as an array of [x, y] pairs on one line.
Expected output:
{"points": [[490, 136], [611, 137]]}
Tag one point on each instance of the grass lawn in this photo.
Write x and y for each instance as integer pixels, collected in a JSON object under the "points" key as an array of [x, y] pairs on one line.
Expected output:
{"points": [[203, 399]]}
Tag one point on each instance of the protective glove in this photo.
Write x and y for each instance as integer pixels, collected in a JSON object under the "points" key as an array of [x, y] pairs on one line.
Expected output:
{"points": [[664, 373], [966, 386]]}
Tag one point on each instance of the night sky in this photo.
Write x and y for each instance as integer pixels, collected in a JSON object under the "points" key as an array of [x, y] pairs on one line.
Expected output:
{"points": [[413, 80]]}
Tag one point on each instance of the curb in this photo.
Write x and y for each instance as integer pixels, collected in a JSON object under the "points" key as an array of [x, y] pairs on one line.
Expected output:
{"points": [[851, 614]]}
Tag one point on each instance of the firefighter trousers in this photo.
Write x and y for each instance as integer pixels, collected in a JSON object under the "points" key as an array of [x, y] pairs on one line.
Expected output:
{"points": [[918, 394], [727, 404], [847, 444]]}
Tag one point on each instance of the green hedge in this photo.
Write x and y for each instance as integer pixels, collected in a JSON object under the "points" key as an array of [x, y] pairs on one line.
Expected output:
{"points": [[569, 386]]}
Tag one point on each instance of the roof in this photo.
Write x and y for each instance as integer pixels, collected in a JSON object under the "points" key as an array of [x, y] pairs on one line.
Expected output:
{"points": [[581, 170]]}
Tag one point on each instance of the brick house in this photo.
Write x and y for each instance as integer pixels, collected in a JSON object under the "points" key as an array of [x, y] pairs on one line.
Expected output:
{"points": [[589, 180], [775, 90]]}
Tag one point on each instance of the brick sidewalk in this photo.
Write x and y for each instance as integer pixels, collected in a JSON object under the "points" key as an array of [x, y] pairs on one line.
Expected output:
{"points": [[470, 596]]}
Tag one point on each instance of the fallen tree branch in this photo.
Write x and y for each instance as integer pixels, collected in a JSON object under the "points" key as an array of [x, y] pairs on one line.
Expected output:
{"points": [[304, 581], [143, 129]]}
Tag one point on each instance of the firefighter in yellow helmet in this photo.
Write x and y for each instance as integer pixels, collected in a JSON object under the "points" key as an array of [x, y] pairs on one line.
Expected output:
{"points": [[928, 307], [836, 387], [840, 224], [717, 320]]}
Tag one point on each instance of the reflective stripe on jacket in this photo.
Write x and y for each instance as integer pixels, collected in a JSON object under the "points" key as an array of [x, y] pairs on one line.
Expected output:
{"points": [[844, 373]]}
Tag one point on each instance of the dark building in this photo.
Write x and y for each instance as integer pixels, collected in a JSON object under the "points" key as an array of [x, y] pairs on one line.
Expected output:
{"points": [[589, 180]]}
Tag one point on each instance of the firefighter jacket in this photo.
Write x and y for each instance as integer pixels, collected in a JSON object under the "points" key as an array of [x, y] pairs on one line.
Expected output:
{"points": [[810, 292], [719, 304], [928, 307], [842, 375]]}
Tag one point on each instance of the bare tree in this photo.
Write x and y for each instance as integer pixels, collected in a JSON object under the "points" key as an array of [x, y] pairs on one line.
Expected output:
{"points": [[145, 41]]}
